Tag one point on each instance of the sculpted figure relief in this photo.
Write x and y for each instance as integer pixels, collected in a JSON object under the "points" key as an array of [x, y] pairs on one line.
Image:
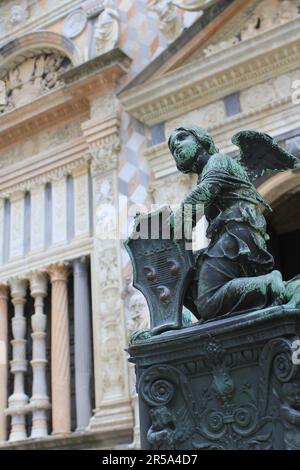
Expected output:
{"points": [[30, 79], [267, 15], [290, 415], [18, 13], [170, 20], [107, 28], [235, 272]]}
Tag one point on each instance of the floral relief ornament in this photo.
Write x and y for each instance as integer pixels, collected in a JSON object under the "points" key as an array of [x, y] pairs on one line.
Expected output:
{"points": [[18, 13]]}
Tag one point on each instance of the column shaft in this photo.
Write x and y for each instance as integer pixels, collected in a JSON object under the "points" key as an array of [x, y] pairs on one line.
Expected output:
{"points": [[39, 403], [83, 359], [60, 351], [3, 360], [18, 400]]}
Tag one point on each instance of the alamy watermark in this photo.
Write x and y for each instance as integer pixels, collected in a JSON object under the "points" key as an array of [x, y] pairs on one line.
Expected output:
{"points": [[178, 224]]}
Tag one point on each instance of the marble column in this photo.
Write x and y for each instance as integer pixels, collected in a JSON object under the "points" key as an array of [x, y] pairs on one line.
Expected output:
{"points": [[39, 402], [60, 351], [3, 360], [82, 329], [18, 400]]}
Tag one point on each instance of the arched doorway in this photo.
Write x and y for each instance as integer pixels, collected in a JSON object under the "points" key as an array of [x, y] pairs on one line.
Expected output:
{"points": [[282, 192]]}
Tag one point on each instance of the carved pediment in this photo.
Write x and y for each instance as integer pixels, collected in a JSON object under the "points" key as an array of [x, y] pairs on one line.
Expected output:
{"points": [[258, 40], [30, 79], [255, 19]]}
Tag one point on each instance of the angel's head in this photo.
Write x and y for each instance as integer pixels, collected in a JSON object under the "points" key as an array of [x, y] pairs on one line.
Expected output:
{"points": [[191, 147]]}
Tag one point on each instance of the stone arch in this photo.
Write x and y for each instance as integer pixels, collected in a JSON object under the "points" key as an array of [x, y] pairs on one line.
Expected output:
{"points": [[282, 192], [15, 51], [279, 185]]}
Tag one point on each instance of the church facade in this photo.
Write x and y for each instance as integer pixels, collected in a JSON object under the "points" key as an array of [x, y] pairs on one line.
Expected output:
{"points": [[89, 93]]}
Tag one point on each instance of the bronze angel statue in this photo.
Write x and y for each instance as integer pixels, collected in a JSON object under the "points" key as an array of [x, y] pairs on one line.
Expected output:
{"points": [[235, 272]]}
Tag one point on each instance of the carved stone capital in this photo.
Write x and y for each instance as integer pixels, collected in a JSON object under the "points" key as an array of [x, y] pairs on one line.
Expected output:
{"points": [[18, 288], [38, 284], [105, 158], [58, 272]]}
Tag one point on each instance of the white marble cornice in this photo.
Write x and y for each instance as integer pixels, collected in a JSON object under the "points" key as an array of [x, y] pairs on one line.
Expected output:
{"points": [[200, 82], [42, 113], [40, 261], [44, 167], [276, 118]]}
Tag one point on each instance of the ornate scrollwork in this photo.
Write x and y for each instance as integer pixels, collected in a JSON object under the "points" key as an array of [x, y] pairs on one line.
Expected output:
{"points": [[158, 385], [230, 412], [173, 407], [283, 367]]}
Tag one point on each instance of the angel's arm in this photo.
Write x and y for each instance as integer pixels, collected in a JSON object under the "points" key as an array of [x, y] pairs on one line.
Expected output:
{"points": [[203, 193], [206, 191]]}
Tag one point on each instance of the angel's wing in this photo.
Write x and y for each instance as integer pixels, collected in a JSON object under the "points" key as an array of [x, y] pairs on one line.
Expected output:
{"points": [[260, 152]]}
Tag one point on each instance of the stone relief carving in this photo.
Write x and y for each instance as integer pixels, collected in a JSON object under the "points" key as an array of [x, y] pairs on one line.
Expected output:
{"points": [[103, 106], [137, 313], [18, 13], [234, 409], [41, 142], [290, 415], [170, 22], [107, 28], [108, 268], [209, 115], [105, 158], [268, 92], [105, 194], [113, 376], [32, 78], [13, 14], [170, 189], [74, 24], [267, 15], [110, 311]]}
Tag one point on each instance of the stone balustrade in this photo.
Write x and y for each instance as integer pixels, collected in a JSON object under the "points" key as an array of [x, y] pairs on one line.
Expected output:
{"points": [[28, 407]]}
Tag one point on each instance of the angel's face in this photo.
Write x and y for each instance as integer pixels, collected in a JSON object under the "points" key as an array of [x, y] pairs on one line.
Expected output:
{"points": [[186, 151]]}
